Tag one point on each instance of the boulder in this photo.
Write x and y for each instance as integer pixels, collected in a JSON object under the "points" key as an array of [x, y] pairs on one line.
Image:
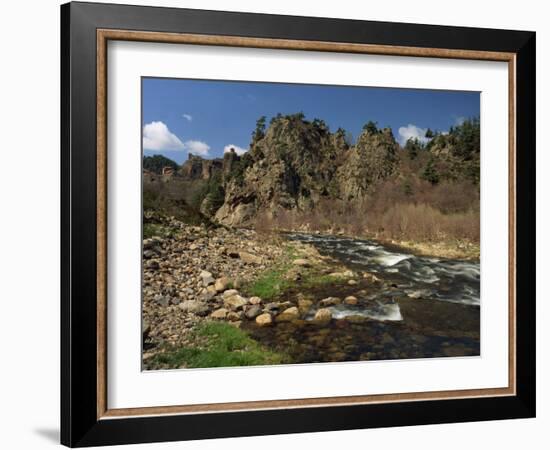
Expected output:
{"points": [[219, 314], [350, 300], [230, 292], [264, 320], [330, 301], [289, 315], [162, 300], [352, 282], [149, 254], [194, 306], [207, 278], [249, 258], [254, 300], [322, 315], [235, 302], [253, 311], [222, 284]]}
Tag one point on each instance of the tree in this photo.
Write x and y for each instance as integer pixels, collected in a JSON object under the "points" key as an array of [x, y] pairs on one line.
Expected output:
{"points": [[320, 125], [299, 116], [466, 137], [429, 133], [371, 127], [413, 147], [212, 197], [156, 163], [276, 118], [259, 132], [430, 172]]}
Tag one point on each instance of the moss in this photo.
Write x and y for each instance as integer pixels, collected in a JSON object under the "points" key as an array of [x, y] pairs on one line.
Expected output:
{"points": [[217, 345]]}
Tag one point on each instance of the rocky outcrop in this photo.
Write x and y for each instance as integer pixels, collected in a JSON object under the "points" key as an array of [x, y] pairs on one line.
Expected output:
{"points": [[197, 168], [298, 163]]}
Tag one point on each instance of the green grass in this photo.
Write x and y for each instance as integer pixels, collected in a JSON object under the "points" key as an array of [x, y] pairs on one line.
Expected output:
{"points": [[219, 345], [269, 283], [273, 282]]}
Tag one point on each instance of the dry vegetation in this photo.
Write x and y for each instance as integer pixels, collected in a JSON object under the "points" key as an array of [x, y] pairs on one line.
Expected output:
{"points": [[398, 210]]}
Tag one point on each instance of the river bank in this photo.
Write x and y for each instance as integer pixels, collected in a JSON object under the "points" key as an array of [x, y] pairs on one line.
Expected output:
{"points": [[443, 247], [219, 297]]}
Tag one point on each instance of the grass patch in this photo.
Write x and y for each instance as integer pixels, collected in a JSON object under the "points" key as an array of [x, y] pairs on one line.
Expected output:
{"points": [[269, 284], [219, 345], [273, 282]]}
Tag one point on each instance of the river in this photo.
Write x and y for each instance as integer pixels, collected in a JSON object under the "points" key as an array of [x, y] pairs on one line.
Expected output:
{"points": [[422, 307]]}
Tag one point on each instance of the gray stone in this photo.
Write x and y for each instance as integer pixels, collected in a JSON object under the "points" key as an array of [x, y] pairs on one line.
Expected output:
{"points": [[253, 311], [194, 306], [162, 300]]}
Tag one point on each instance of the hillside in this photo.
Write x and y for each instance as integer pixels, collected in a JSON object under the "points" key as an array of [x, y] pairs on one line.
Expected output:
{"points": [[298, 174]]}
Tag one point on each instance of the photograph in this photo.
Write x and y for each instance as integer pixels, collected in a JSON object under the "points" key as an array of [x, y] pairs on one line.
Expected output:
{"points": [[300, 223], [287, 221]]}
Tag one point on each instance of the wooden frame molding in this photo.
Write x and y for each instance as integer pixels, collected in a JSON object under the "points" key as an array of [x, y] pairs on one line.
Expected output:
{"points": [[103, 36]]}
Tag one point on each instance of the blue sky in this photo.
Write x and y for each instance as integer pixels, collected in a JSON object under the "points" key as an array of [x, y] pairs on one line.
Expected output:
{"points": [[204, 117]]}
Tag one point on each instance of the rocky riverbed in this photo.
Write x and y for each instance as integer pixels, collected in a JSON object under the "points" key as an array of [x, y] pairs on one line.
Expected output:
{"points": [[317, 307]]}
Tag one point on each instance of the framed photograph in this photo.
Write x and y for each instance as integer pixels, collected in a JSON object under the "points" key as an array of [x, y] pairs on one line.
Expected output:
{"points": [[276, 224]]}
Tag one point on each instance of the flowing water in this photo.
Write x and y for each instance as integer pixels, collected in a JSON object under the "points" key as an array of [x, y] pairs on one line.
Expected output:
{"points": [[421, 307]]}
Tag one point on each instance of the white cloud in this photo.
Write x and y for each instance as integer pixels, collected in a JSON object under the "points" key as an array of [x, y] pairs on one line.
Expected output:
{"points": [[238, 150], [157, 136], [412, 131], [187, 117], [197, 147], [460, 120]]}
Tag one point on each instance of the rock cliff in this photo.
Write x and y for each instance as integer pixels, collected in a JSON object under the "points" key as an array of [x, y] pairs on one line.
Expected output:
{"points": [[295, 164]]}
